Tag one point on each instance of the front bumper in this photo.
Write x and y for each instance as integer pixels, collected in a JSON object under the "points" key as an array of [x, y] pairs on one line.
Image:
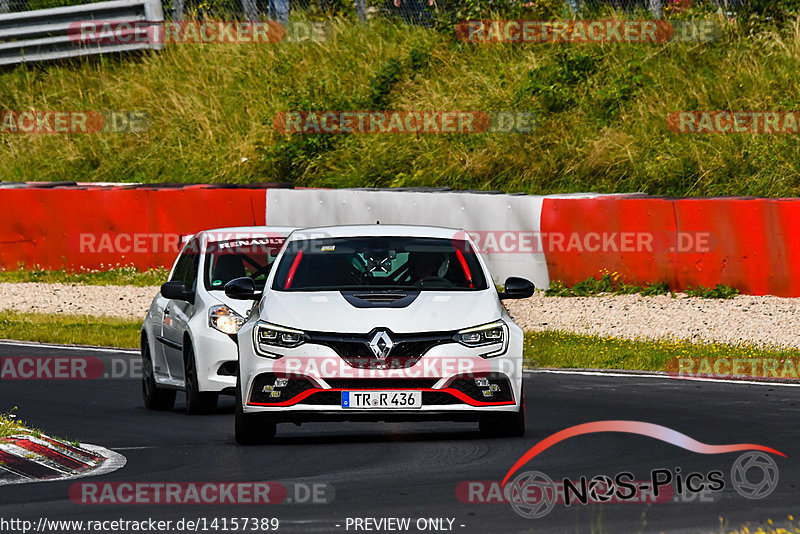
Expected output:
{"points": [[217, 363], [455, 382]]}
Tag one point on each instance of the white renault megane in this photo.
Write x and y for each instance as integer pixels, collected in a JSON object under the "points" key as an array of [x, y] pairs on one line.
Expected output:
{"points": [[380, 323]]}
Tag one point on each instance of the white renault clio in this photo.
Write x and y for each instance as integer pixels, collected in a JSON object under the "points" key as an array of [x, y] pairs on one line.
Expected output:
{"points": [[379, 323], [188, 338]]}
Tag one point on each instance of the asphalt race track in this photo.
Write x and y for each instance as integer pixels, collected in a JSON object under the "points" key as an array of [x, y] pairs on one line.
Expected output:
{"points": [[382, 470]]}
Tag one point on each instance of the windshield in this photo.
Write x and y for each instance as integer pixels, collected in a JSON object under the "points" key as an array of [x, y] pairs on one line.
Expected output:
{"points": [[252, 257], [380, 263]]}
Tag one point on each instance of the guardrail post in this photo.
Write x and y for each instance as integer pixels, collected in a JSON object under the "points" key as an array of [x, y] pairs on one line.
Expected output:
{"points": [[655, 8], [177, 10], [361, 9], [250, 10]]}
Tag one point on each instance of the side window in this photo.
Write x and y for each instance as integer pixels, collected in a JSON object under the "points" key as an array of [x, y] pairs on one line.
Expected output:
{"points": [[190, 273], [180, 268], [186, 268]]}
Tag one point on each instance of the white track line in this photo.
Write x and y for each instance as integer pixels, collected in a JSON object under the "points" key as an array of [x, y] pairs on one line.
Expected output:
{"points": [[583, 372], [66, 347], [662, 376]]}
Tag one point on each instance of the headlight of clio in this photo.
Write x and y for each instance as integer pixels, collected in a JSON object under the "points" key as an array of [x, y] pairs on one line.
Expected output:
{"points": [[266, 336], [488, 335], [224, 319]]}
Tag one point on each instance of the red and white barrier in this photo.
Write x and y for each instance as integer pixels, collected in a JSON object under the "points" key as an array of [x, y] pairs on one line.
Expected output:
{"points": [[102, 227], [749, 244]]}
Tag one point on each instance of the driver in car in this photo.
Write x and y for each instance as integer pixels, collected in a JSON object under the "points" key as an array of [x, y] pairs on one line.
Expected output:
{"points": [[425, 265]]}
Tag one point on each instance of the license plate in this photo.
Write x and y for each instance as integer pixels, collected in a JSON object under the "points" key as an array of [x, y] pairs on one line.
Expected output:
{"points": [[382, 400]]}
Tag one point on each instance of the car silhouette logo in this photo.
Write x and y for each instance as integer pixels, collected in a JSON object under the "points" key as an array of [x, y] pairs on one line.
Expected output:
{"points": [[381, 345]]}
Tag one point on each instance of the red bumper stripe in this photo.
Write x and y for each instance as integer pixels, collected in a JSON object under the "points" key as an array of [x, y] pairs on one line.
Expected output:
{"points": [[307, 393]]}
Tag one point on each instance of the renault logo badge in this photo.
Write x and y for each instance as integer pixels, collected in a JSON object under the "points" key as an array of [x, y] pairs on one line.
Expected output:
{"points": [[381, 345]]}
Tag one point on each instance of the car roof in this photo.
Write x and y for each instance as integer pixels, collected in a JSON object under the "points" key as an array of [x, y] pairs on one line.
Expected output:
{"points": [[242, 232], [377, 230]]}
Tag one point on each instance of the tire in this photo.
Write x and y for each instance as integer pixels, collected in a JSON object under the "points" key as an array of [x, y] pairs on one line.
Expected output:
{"points": [[252, 429], [506, 424], [154, 397], [197, 402]]}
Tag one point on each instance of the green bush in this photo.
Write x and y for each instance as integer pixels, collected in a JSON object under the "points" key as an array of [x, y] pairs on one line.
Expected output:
{"points": [[719, 291], [612, 284], [47, 4]]}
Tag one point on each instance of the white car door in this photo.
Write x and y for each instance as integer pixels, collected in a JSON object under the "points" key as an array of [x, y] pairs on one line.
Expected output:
{"points": [[159, 357], [178, 312]]}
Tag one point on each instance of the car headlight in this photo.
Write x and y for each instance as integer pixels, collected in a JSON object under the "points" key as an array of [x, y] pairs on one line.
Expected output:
{"points": [[491, 334], [266, 335], [224, 319]]}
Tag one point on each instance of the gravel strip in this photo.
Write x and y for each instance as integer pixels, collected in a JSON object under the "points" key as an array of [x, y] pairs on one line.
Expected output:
{"points": [[763, 321], [74, 299]]}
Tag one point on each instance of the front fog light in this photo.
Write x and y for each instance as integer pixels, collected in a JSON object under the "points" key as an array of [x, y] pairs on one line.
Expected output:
{"points": [[274, 389], [224, 319], [488, 386]]}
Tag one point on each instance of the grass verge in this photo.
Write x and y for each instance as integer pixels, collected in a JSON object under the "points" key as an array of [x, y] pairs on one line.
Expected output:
{"points": [[612, 284], [9, 424], [541, 349], [602, 113], [70, 329], [566, 350], [118, 276]]}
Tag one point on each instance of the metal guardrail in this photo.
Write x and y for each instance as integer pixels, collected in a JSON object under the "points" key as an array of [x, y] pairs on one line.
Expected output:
{"points": [[48, 34]]}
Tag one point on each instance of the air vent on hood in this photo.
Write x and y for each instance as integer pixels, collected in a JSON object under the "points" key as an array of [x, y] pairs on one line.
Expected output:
{"points": [[380, 299]]}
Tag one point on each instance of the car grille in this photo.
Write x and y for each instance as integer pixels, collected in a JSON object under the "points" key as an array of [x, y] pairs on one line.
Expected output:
{"points": [[434, 398], [324, 398], [381, 383], [355, 349]]}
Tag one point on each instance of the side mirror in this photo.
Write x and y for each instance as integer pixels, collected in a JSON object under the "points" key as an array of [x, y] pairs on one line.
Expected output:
{"points": [[175, 290], [517, 288], [242, 289]]}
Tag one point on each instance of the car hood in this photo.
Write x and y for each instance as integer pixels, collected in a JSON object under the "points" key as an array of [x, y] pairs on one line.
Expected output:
{"points": [[431, 311]]}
